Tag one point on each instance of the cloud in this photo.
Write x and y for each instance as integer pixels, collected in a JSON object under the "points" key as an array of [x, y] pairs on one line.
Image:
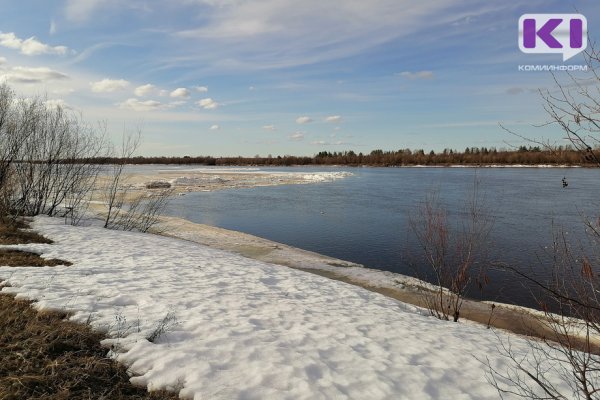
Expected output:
{"points": [[31, 75], [138, 105], [214, 127], [144, 90], [325, 143], [53, 28], [108, 85], [55, 103], [515, 90], [417, 75], [296, 137], [177, 103], [80, 10], [180, 93], [63, 90], [2, 60], [269, 127], [201, 89], [208, 104], [277, 33], [303, 120], [10, 40], [31, 46], [334, 119]]}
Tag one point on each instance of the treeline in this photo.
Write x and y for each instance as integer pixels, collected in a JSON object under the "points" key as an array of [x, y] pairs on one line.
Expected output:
{"points": [[532, 155]]}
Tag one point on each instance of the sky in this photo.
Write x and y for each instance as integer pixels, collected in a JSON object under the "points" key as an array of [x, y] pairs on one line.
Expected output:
{"points": [[286, 77]]}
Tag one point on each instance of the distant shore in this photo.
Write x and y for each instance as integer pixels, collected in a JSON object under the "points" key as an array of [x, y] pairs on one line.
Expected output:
{"points": [[470, 156]]}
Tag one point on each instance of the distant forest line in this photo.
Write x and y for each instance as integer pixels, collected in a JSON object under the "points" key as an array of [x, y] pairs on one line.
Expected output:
{"points": [[562, 155]]}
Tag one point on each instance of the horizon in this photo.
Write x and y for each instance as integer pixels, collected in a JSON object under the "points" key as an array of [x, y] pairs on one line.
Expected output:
{"points": [[240, 78]]}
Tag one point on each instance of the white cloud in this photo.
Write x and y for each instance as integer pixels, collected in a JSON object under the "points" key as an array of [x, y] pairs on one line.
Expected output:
{"points": [[276, 33], [208, 104], [334, 119], [177, 103], [53, 28], [303, 120], [80, 10], [251, 88], [2, 60], [180, 92], [417, 75], [31, 46], [10, 40], [201, 89], [325, 143], [31, 75], [214, 127], [297, 136], [55, 103], [269, 127], [138, 105], [63, 91], [108, 85], [144, 90]]}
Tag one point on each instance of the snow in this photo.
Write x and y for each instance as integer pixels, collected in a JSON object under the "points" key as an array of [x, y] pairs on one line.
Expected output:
{"points": [[228, 327]]}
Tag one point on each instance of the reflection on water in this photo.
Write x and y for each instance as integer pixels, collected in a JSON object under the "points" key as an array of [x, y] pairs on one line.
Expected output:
{"points": [[365, 218]]}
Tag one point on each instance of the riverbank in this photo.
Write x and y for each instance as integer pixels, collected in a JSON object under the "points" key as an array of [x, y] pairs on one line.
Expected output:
{"points": [[44, 355], [209, 323], [519, 320], [410, 290]]}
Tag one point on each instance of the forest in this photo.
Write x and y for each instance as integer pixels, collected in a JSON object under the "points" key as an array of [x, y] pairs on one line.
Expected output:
{"points": [[471, 156]]}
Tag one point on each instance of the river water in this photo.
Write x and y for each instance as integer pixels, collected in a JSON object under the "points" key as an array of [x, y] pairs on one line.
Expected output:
{"points": [[365, 218]]}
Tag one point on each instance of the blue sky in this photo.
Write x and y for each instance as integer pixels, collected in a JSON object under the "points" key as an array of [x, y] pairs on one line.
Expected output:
{"points": [[247, 77]]}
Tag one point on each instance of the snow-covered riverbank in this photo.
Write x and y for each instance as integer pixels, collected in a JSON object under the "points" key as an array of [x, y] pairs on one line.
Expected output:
{"points": [[225, 326]]}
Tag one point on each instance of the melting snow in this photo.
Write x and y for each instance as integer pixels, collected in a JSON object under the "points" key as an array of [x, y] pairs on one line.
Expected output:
{"points": [[226, 327]]}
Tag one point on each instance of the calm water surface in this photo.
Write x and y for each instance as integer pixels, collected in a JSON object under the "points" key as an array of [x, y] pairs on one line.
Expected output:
{"points": [[365, 218]]}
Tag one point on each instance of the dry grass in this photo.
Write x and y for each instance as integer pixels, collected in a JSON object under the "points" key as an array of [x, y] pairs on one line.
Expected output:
{"points": [[43, 356], [12, 232], [17, 258]]}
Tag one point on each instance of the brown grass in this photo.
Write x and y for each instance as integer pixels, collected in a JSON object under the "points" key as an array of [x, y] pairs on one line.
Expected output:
{"points": [[17, 258], [42, 356], [11, 232]]}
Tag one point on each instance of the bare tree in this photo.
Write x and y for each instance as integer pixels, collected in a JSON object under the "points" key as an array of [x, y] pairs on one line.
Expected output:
{"points": [[125, 210], [452, 251], [570, 303], [570, 299], [144, 211], [46, 156], [116, 191]]}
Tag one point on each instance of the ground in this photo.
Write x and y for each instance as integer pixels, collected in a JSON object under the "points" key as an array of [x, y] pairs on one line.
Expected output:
{"points": [[212, 324], [43, 355]]}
